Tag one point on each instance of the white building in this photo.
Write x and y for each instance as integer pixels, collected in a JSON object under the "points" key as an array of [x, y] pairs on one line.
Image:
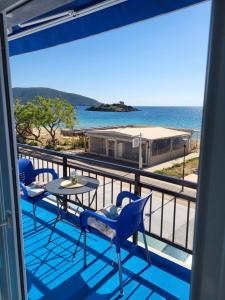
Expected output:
{"points": [[158, 144]]}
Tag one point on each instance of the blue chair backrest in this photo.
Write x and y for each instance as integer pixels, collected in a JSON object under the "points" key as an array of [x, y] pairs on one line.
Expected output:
{"points": [[131, 218], [26, 171]]}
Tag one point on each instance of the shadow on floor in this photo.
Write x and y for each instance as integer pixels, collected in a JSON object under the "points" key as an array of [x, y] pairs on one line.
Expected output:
{"points": [[51, 273]]}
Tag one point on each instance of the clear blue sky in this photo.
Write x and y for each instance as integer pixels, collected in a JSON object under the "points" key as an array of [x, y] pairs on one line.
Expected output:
{"points": [[160, 61]]}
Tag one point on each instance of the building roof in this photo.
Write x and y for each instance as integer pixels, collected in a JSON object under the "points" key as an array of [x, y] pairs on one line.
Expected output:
{"points": [[149, 133]]}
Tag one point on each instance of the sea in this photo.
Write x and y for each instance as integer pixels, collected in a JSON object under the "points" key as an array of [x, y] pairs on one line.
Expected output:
{"points": [[176, 117]]}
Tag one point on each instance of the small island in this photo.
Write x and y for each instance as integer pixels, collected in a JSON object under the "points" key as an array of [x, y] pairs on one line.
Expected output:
{"points": [[115, 107]]}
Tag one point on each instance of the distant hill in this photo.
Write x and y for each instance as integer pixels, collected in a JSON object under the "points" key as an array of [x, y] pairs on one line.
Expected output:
{"points": [[27, 94]]}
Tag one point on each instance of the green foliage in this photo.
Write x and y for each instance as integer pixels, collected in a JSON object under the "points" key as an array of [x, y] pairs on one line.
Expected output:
{"points": [[79, 143], [33, 143], [65, 142], [191, 166], [50, 145], [115, 107], [49, 114], [26, 94], [27, 117], [55, 112], [20, 126]]}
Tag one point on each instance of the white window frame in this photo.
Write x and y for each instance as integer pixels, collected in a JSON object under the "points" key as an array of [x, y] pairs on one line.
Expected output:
{"points": [[12, 270]]}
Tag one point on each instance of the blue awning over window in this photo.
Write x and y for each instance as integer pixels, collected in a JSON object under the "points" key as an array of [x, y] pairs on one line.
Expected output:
{"points": [[34, 27]]}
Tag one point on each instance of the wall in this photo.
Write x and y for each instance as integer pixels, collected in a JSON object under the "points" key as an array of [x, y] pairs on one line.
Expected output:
{"points": [[173, 147], [175, 150], [123, 149]]}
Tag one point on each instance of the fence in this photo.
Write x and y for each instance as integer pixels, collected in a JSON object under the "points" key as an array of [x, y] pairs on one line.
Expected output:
{"points": [[169, 217]]}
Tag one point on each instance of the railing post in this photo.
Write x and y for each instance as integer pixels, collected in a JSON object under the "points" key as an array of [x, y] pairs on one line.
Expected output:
{"points": [[137, 186], [64, 166], [64, 175], [137, 191]]}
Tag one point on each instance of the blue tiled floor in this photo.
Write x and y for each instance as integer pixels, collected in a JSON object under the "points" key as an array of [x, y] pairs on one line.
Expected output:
{"points": [[51, 273]]}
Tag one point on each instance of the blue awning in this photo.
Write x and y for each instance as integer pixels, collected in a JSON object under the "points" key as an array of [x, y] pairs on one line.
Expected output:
{"points": [[72, 20]]}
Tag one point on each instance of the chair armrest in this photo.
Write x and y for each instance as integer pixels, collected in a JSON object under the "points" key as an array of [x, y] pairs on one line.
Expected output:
{"points": [[126, 194], [46, 170], [89, 213], [24, 189]]}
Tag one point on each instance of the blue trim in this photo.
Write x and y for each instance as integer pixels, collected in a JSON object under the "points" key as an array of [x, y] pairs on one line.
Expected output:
{"points": [[112, 17]]}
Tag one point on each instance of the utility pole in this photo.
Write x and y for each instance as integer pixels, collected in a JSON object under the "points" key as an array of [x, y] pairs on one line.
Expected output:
{"points": [[183, 175], [140, 152]]}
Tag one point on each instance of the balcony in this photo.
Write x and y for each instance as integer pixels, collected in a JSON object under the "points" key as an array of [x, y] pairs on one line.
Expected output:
{"points": [[169, 220], [51, 273]]}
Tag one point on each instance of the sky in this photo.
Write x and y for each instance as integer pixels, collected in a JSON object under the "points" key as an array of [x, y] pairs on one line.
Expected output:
{"points": [[158, 62]]}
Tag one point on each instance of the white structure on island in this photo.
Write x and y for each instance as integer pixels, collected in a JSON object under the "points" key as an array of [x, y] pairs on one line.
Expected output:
{"points": [[158, 144]]}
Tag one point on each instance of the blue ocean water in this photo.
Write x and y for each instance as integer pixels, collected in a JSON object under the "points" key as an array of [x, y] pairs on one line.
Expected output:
{"points": [[177, 117]]}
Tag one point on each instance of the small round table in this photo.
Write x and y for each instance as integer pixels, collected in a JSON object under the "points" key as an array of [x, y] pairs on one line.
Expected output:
{"points": [[54, 187]]}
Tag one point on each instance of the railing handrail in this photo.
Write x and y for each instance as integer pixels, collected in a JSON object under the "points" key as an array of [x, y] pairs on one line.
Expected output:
{"points": [[116, 166], [125, 179], [137, 184]]}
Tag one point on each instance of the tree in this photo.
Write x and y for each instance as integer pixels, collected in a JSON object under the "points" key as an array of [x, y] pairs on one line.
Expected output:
{"points": [[28, 121], [55, 113], [20, 126]]}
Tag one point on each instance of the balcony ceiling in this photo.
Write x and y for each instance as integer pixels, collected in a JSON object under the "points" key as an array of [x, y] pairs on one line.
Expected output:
{"points": [[41, 24]]}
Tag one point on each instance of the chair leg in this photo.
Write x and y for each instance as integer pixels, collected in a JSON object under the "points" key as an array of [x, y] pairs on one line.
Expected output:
{"points": [[58, 207], [78, 242], [85, 250], [146, 249], [53, 228], [34, 216], [120, 274]]}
